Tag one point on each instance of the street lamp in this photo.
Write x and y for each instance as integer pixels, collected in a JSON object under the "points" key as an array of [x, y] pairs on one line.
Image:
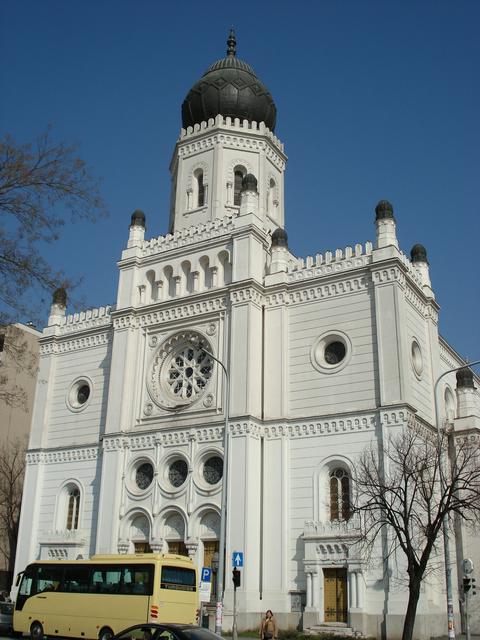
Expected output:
{"points": [[443, 479], [223, 511]]}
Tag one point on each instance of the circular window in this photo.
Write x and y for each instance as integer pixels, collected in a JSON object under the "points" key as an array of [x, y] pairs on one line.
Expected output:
{"points": [[144, 475], [213, 470], [177, 473], [79, 394], [417, 358], [331, 352], [180, 371]]}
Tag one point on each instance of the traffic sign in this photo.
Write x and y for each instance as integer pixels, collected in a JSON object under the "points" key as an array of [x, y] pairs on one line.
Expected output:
{"points": [[237, 559], [206, 574]]}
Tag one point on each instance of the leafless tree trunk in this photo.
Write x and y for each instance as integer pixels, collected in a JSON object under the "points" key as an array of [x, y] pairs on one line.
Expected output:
{"points": [[400, 490], [12, 467]]}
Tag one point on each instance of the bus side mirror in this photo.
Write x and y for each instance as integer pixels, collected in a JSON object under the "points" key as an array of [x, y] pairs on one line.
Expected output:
{"points": [[19, 576]]}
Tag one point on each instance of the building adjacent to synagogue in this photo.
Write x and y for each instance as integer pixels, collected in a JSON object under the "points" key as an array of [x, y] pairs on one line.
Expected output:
{"points": [[325, 354], [19, 353]]}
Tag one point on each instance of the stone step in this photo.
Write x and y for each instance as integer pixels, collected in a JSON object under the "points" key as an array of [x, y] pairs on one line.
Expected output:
{"points": [[333, 628]]}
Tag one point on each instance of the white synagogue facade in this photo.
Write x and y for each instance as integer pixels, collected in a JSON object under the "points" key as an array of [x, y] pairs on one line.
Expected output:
{"points": [[325, 354]]}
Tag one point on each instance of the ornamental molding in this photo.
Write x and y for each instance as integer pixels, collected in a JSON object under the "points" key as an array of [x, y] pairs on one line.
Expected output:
{"points": [[329, 269], [166, 439], [65, 455], [75, 344], [321, 427], [386, 275], [247, 294], [252, 143], [317, 292], [415, 300]]}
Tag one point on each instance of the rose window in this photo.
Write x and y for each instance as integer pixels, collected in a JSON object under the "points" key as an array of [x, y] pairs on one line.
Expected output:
{"points": [[188, 372]]}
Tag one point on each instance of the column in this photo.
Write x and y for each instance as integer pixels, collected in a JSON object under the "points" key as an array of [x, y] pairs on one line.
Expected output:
{"points": [[309, 590], [315, 590], [353, 595]]}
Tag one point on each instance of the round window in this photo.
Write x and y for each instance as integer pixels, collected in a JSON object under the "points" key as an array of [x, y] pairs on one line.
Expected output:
{"points": [[177, 473], [335, 352], [144, 475], [331, 352], [83, 394], [213, 470], [181, 370], [79, 394], [417, 358]]}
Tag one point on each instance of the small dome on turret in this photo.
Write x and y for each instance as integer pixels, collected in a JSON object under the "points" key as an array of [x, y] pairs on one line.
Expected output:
{"points": [[465, 378], [249, 182], [229, 88], [60, 297], [280, 238], [418, 253], [138, 219], [384, 210]]}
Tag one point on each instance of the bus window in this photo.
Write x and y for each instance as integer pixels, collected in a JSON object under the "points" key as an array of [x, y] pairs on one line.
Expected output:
{"points": [[77, 579], [138, 579], [106, 580], [47, 578], [178, 578]]}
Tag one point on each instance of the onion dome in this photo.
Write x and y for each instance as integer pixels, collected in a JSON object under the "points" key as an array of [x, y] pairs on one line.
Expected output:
{"points": [[465, 378], [249, 183], [138, 219], [229, 88], [418, 253], [384, 210], [279, 238], [60, 297]]}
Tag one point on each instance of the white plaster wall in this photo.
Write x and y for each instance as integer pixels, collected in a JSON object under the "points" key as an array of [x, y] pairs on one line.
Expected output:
{"points": [[308, 456], [66, 427], [85, 473], [353, 388], [421, 386]]}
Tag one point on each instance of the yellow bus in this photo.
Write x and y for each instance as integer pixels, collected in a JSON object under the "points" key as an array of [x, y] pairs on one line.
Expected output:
{"points": [[99, 597]]}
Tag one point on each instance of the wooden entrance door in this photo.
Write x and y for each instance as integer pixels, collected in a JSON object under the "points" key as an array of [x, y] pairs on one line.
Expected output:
{"points": [[335, 598], [142, 547], [178, 547]]}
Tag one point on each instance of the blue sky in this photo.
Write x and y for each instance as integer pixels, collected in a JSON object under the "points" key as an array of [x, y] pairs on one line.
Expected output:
{"points": [[375, 99]]}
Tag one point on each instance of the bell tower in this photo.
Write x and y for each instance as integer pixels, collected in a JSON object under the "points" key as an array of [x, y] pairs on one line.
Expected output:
{"points": [[228, 122]]}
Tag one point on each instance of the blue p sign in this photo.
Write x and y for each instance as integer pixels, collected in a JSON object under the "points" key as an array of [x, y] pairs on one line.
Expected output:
{"points": [[206, 574]]}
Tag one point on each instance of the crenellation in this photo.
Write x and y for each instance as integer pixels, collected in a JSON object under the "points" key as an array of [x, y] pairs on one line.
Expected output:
{"points": [[87, 319]]}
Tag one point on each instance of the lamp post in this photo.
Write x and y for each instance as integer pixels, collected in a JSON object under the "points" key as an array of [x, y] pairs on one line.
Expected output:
{"points": [[223, 512], [444, 481]]}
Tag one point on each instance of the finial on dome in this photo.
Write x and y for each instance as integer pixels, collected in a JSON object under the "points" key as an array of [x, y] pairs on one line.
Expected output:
{"points": [[60, 297], [137, 219], [249, 183], [384, 210], [279, 238], [418, 254], [231, 44], [465, 378]]}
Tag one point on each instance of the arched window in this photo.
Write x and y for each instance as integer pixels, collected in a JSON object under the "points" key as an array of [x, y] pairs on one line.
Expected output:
{"points": [[237, 187], [73, 508], [200, 189], [339, 495], [271, 202]]}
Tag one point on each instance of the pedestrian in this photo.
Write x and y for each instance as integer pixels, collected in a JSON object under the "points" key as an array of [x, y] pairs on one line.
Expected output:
{"points": [[268, 628]]}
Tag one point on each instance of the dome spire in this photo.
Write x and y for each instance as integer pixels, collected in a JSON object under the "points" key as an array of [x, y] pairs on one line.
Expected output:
{"points": [[231, 44]]}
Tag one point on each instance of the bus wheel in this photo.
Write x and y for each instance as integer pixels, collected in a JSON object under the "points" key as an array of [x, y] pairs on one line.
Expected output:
{"points": [[105, 634], [36, 631]]}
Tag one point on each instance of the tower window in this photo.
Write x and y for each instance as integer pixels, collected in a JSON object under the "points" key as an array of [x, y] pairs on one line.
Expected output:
{"points": [[339, 495], [237, 187], [73, 508], [200, 190]]}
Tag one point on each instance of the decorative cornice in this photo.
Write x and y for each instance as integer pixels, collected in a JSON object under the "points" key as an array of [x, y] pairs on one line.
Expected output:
{"points": [[62, 455], [75, 344], [386, 274]]}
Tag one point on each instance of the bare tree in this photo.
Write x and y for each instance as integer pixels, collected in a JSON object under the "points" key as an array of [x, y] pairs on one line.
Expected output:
{"points": [[12, 467], [40, 186], [403, 499], [21, 359]]}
